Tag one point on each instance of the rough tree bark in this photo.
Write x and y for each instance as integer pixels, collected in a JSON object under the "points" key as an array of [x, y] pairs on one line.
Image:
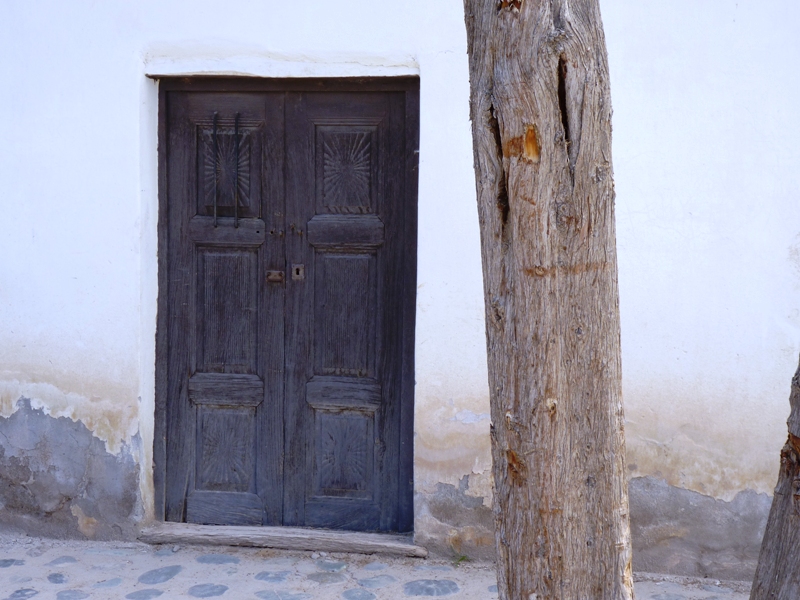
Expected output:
{"points": [[778, 571], [541, 122]]}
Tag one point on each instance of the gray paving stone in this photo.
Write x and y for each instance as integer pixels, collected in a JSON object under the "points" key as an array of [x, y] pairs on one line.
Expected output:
{"points": [[332, 566], [327, 578], [163, 552], [433, 568], [108, 583], [282, 595], [57, 578], [10, 562], [159, 575], [218, 559], [147, 594], [669, 596], [62, 560], [493, 589], [273, 576], [430, 587], [207, 590], [22, 594], [377, 582], [71, 595], [375, 566], [358, 594]]}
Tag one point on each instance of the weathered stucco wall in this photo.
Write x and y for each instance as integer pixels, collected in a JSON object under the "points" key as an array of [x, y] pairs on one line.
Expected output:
{"points": [[709, 238]]}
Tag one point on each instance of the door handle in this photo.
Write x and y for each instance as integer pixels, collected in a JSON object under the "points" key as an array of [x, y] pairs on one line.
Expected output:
{"points": [[275, 276]]}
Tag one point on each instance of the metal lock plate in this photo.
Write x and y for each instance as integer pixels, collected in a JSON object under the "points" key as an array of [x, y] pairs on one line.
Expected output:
{"points": [[298, 272], [275, 276]]}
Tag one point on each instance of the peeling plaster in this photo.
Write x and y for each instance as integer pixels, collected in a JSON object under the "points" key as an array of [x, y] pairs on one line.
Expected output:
{"points": [[714, 441], [451, 441], [108, 416], [58, 479]]}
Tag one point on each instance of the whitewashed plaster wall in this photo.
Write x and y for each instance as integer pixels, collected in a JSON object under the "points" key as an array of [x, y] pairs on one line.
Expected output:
{"points": [[707, 194], [708, 226]]}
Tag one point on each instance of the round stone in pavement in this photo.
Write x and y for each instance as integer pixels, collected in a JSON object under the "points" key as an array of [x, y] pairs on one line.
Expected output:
{"points": [[207, 590], [358, 594], [493, 589], [332, 566], [108, 583], [374, 566], [327, 578], [159, 575], [669, 596], [282, 595], [148, 594], [62, 560], [376, 582], [11, 562], [57, 578], [273, 576], [217, 559], [71, 595], [23, 594], [430, 587]]}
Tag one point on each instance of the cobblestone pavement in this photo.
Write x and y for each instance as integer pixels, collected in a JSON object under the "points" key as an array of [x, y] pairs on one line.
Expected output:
{"points": [[73, 570]]}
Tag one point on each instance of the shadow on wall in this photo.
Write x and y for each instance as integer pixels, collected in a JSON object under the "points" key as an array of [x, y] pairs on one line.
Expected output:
{"points": [[57, 480]]}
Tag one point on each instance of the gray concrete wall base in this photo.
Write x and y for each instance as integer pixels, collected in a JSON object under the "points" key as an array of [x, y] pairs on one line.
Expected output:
{"points": [[58, 480], [682, 532], [449, 522], [674, 531]]}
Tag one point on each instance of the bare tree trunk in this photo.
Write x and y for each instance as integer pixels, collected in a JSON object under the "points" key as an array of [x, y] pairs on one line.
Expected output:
{"points": [[778, 571], [541, 122]]}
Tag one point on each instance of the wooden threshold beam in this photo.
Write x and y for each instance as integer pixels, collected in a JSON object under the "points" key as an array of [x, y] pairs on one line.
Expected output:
{"points": [[285, 538]]}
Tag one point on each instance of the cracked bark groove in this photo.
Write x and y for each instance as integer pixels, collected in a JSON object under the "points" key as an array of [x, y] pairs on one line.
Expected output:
{"points": [[541, 122], [778, 572]]}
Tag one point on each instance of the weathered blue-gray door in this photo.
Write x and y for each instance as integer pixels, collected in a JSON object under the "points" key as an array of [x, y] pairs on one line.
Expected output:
{"points": [[285, 354]]}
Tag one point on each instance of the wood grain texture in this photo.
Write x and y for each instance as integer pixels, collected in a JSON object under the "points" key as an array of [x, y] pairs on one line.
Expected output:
{"points": [[224, 508], [347, 181], [287, 538], [541, 121], [777, 575], [343, 392], [225, 389], [339, 231]]}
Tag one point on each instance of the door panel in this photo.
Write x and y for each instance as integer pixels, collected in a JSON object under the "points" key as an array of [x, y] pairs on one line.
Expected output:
{"points": [[286, 263], [226, 347], [340, 197]]}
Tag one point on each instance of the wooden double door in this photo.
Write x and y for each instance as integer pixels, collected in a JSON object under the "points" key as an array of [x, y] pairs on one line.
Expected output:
{"points": [[287, 239]]}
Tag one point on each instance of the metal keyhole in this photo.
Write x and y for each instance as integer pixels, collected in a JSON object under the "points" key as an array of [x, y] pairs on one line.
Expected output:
{"points": [[298, 272]]}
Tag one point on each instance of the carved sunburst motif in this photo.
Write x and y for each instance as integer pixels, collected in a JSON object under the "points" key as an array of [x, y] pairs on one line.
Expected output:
{"points": [[343, 455], [346, 170], [226, 460], [224, 164]]}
